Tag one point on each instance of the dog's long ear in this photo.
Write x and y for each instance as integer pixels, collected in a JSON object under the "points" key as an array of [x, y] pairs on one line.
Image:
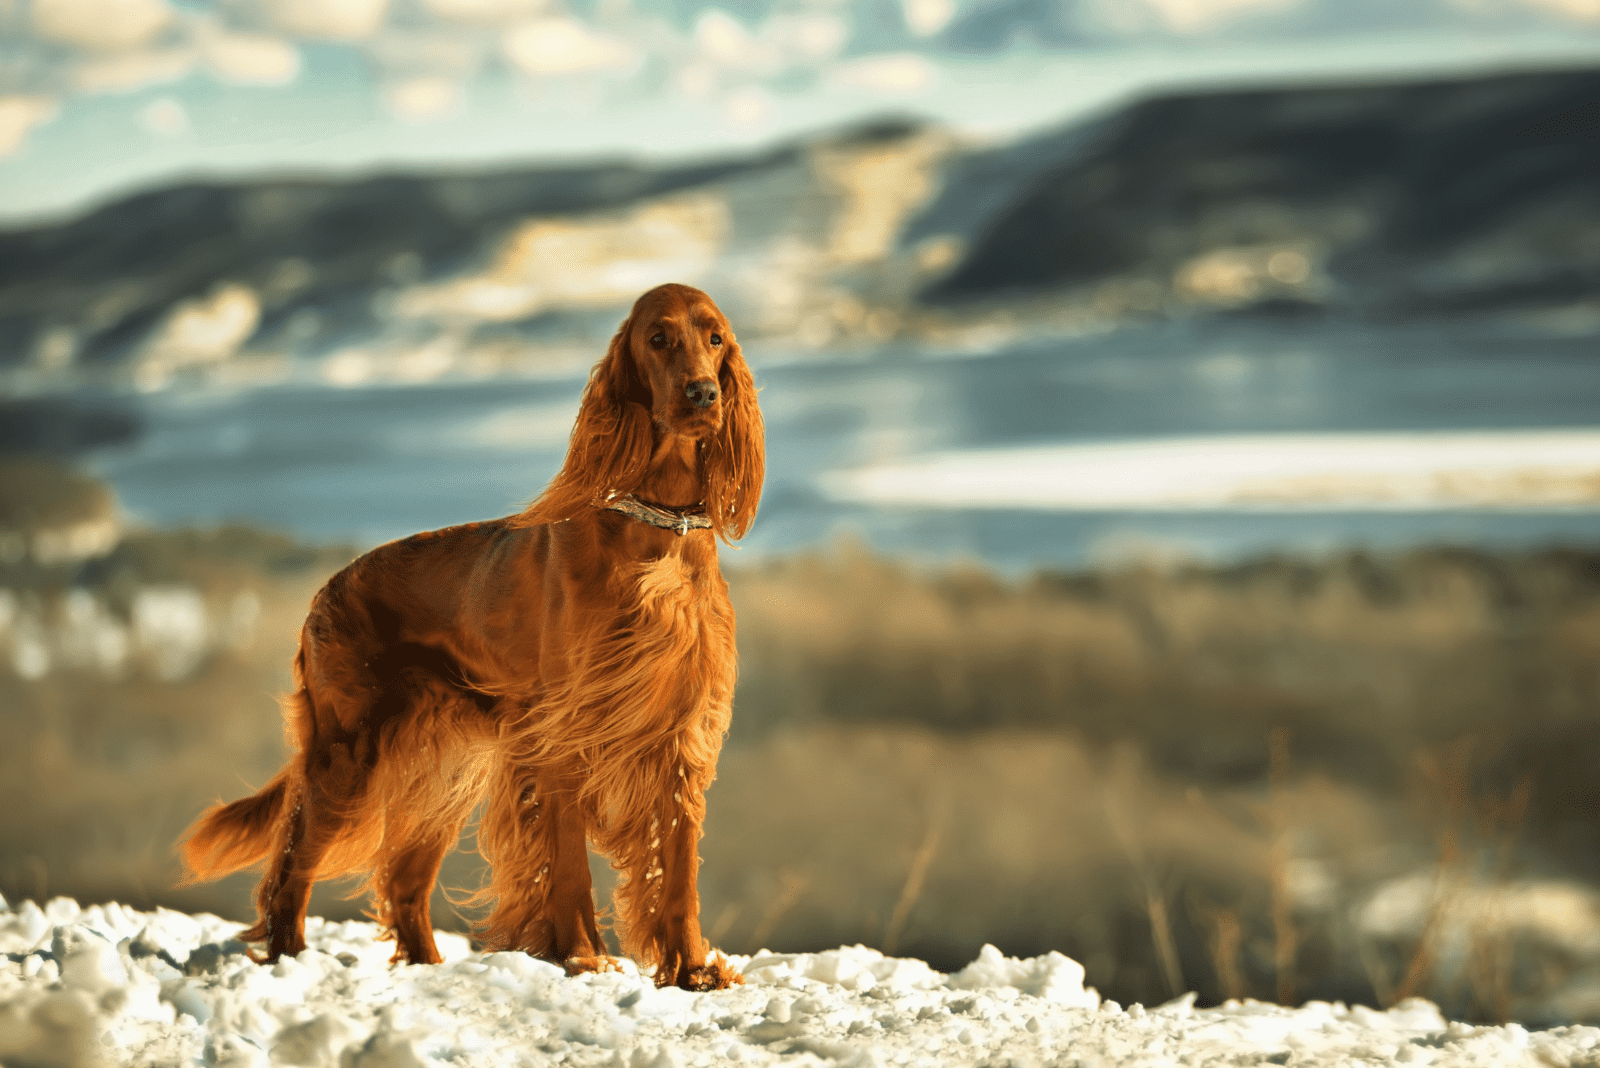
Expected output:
{"points": [[610, 447], [735, 460]]}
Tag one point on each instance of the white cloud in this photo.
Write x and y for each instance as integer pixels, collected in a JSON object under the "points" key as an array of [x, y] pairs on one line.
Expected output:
{"points": [[1581, 10], [18, 117], [132, 70], [813, 37], [248, 58], [1193, 16], [564, 46], [436, 51], [721, 37], [890, 72], [339, 20], [491, 11], [749, 106], [164, 117], [101, 25], [696, 80], [1575, 10], [723, 50], [927, 17], [423, 98]]}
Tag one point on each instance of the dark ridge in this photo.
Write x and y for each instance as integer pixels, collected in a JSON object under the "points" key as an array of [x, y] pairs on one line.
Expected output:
{"points": [[880, 130], [1426, 195]]}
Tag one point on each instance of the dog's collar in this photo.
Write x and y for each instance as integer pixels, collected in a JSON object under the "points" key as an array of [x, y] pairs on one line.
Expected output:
{"points": [[678, 520]]}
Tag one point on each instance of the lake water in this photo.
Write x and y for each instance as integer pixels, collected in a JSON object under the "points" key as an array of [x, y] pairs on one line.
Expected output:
{"points": [[379, 462]]}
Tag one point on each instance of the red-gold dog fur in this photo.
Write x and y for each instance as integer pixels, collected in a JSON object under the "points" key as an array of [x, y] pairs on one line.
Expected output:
{"points": [[571, 668]]}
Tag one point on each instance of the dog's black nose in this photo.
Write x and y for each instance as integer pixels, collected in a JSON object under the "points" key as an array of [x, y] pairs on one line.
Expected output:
{"points": [[702, 394]]}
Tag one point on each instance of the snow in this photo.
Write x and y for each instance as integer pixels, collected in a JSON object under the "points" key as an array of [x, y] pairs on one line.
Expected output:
{"points": [[114, 985]]}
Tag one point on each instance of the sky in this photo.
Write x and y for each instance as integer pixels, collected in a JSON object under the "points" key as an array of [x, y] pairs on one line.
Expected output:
{"points": [[99, 98]]}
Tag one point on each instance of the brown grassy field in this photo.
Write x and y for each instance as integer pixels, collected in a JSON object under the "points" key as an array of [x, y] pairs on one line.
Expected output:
{"points": [[1208, 778]]}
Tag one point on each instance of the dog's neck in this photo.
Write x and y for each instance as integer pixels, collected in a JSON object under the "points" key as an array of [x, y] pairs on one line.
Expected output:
{"points": [[675, 478]]}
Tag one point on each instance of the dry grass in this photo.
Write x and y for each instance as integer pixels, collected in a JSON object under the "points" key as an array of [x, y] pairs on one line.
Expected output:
{"points": [[1225, 935], [1360, 658], [1477, 832], [915, 878], [1285, 938]]}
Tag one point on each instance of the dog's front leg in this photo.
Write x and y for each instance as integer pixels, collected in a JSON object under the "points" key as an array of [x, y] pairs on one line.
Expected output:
{"points": [[687, 959], [659, 899]]}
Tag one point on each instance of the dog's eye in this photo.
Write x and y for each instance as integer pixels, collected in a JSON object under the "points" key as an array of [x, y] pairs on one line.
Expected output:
{"points": [[716, 339], [659, 340]]}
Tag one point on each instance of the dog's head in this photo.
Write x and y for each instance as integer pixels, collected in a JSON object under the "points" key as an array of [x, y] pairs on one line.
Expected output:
{"points": [[673, 369], [679, 348]]}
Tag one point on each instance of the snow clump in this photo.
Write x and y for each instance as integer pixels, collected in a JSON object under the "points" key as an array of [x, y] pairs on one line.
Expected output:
{"points": [[108, 985]]}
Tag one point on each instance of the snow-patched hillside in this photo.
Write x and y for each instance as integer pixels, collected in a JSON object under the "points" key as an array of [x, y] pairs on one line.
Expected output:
{"points": [[113, 985]]}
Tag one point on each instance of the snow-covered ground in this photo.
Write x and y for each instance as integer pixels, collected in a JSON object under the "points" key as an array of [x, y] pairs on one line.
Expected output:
{"points": [[113, 985]]}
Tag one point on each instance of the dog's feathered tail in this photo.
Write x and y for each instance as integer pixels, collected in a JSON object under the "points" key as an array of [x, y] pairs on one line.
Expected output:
{"points": [[236, 836], [243, 834]]}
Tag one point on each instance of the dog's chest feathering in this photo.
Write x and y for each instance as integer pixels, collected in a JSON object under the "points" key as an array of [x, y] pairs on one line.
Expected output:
{"points": [[667, 587], [686, 606]]}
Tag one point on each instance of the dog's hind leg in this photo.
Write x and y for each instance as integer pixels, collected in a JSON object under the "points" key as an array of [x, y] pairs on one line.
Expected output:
{"points": [[333, 787], [333, 825], [429, 779], [570, 907], [406, 885]]}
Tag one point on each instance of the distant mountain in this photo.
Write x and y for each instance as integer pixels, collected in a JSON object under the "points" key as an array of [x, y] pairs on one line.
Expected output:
{"points": [[1435, 197], [110, 277], [444, 269], [1465, 196]]}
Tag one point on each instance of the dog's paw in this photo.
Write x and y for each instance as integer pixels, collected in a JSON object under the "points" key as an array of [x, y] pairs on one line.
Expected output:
{"points": [[715, 974], [597, 963]]}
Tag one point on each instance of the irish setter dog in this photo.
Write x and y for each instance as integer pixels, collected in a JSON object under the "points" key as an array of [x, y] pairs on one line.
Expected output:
{"points": [[570, 667]]}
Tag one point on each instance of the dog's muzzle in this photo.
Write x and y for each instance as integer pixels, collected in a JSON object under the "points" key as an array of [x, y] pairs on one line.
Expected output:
{"points": [[702, 393]]}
